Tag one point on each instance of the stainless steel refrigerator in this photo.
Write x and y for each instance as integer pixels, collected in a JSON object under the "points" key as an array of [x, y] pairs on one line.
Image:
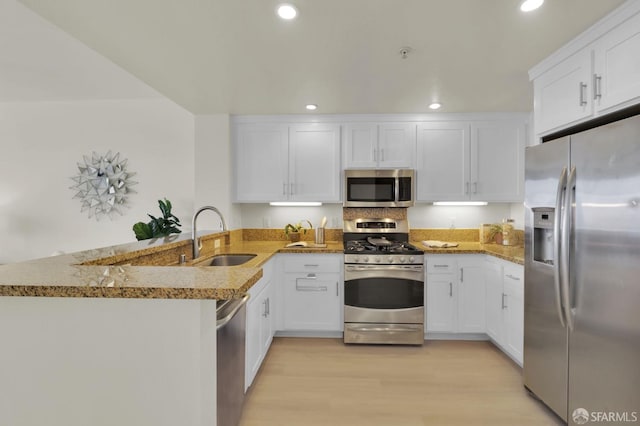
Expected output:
{"points": [[582, 274]]}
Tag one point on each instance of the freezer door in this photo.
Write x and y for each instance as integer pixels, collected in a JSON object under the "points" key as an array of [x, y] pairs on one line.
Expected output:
{"points": [[604, 346], [545, 336]]}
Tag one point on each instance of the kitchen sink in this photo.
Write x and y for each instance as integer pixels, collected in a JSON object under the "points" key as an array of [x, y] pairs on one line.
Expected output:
{"points": [[230, 259]]}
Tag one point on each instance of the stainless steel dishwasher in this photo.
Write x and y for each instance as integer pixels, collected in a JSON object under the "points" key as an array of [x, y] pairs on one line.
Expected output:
{"points": [[230, 325]]}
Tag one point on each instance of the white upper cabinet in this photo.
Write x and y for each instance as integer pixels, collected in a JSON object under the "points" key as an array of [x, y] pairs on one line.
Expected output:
{"points": [[262, 162], [314, 162], [596, 73], [617, 66], [497, 161], [385, 145], [280, 162], [442, 172], [563, 94], [479, 161]]}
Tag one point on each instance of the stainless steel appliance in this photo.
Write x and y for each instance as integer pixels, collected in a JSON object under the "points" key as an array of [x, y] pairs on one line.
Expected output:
{"points": [[379, 188], [384, 283], [231, 321], [582, 273]]}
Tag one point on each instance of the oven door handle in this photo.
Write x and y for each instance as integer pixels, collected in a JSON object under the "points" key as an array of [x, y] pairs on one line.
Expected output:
{"points": [[358, 268]]}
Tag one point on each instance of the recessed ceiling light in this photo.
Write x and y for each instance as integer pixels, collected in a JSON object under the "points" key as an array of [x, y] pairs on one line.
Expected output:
{"points": [[529, 5], [287, 11], [435, 105], [311, 107]]}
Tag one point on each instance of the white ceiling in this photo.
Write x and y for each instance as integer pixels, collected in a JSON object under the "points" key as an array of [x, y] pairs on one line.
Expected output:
{"points": [[236, 56]]}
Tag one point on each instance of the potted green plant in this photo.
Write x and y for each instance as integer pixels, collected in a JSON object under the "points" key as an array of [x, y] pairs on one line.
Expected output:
{"points": [[495, 233], [158, 226], [292, 231]]}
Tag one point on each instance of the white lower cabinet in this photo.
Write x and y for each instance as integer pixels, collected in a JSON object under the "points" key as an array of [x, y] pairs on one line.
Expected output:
{"points": [[505, 306], [311, 292], [260, 323], [455, 294]]}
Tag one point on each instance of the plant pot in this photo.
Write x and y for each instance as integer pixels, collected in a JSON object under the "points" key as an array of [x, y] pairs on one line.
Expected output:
{"points": [[498, 238], [294, 237]]}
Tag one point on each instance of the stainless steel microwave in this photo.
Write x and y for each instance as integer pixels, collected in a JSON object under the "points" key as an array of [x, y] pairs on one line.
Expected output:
{"points": [[378, 188]]}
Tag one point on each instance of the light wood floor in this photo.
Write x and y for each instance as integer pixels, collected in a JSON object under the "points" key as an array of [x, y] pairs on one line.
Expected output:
{"points": [[313, 382]]}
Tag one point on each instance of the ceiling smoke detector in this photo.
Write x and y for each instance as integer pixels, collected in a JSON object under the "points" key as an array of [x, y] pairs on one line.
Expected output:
{"points": [[404, 52]]}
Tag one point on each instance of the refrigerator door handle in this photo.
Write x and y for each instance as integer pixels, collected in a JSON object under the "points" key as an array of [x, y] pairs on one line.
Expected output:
{"points": [[557, 240], [565, 248]]}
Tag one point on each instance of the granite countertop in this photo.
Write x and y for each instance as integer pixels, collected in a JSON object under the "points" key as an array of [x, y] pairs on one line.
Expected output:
{"points": [[513, 254], [114, 272], [74, 275]]}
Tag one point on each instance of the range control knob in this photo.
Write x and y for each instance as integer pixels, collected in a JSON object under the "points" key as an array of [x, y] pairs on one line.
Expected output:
{"points": [[402, 259], [412, 259], [378, 259], [390, 259], [365, 259]]}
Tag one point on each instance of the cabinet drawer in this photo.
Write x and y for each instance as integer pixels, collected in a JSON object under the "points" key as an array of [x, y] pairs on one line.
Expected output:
{"points": [[513, 279], [436, 265], [312, 263]]}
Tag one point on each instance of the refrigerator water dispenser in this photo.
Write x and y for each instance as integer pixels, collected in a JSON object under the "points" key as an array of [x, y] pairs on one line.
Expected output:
{"points": [[543, 219]]}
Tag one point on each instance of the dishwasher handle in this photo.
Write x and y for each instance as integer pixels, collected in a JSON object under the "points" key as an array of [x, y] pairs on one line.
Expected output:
{"points": [[237, 305]]}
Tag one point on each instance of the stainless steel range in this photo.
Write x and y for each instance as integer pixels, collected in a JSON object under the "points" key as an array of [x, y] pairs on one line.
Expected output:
{"points": [[384, 283]]}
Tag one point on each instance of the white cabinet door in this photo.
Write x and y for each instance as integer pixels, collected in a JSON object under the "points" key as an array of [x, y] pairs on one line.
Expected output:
{"points": [[261, 162], [441, 303], [396, 145], [494, 300], [471, 296], [314, 162], [312, 301], [360, 145], [443, 161], [259, 324], [259, 332], [386, 145], [514, 307], [617, 66], [497, 161], [311, 292], [563, 94]]}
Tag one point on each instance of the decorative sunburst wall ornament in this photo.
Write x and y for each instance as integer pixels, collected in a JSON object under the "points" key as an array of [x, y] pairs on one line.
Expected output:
{"points": [[103, 185]]}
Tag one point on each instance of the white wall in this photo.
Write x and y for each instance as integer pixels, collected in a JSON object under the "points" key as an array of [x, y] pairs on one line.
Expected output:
{"points": [[214, 171], [420, 215], [265, 216], [42, 142]]}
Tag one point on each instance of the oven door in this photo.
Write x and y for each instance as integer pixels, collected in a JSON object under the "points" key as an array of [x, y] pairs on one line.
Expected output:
{"points": [[384, 294]]}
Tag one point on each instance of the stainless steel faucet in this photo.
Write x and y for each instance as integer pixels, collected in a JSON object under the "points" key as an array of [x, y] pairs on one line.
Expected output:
{"points": [[194, 235]]}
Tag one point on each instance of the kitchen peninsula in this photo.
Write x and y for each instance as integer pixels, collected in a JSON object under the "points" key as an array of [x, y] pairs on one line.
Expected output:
{"points": [[126, 335]]}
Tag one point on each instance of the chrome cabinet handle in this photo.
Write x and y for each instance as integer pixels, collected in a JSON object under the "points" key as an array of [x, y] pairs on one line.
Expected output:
{"points": [[504, 296], [337, 289], [311, 265], [461, 275], [466, 190], [375, 154], [268, 306], [513, 278], [450, 289], [284, 188], [475, 187], [583, 95], [291, 188], [557, 240], [382, 154], [597, 86], [440, 266], [264, 310]]}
